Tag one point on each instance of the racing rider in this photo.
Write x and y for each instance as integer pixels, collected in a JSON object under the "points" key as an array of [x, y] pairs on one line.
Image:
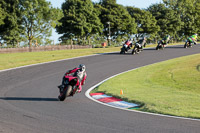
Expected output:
{"points": [[193, 39], [165, 40], [80, 73], [142, 43]]}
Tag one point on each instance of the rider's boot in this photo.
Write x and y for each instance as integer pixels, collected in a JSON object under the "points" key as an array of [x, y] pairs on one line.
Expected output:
{"points": [[79, 88]]}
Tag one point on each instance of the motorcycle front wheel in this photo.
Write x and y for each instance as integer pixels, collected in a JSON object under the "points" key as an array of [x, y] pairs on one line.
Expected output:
{"points": [[67, 92], [122, 51], [133, 51], [186, 45], [157, 47]]}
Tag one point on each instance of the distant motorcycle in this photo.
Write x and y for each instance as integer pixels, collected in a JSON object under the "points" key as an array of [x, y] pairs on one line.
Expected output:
{"points": [[71, 85], [126, 47], [188, 44], [160, 45], [137, 48]]}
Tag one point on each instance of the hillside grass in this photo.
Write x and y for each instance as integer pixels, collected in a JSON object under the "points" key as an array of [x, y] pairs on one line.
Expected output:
{"points": [[171, 87]]}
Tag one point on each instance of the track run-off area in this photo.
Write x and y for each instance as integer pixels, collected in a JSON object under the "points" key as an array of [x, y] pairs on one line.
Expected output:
{"points": [[28, 97]]}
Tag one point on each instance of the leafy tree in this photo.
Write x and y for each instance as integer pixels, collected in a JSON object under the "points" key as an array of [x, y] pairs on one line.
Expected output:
{"points": [[105, 2], [10, 21], [38, 19], [146, 23], [197, 16], [168, 19], [2, 15], [188, 11], [120, 21], [80, 20]]}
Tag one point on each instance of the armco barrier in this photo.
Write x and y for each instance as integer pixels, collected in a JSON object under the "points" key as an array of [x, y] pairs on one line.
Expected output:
{"points": [[42, 48]]}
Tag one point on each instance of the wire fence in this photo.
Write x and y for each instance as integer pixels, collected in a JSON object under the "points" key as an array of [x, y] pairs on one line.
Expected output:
{"points": [[43, 48]]}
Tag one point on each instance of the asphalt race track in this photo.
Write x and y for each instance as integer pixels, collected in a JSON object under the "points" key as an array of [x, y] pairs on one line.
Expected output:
{"points": [[28, 98]]}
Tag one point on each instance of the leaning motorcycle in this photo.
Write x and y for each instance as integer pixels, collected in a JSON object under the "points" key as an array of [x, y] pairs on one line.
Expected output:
{"points": [[160, 45], [188, 44], [137, 48], [124, 49], [71, 85]]}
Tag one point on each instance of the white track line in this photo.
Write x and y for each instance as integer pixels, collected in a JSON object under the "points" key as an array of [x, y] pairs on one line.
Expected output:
{"points": [[88, 91], [51, 62], [87, 94], [59, 60]]}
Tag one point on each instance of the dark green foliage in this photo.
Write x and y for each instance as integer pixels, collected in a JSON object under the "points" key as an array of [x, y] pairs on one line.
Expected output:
{"points": [[167, 18], [80, 20], [10, 23], [24, 20], [146, 23], [188, 11], [38, 19], [85, 22], [105, 2], [2, 15], [120, 21]]}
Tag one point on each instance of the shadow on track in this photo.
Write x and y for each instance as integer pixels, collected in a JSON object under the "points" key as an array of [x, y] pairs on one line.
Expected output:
{"points": [[178, 47], [28, 99], [114, 53], [149, 49]]}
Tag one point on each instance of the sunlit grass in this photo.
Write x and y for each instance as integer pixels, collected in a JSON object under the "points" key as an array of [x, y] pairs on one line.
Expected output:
{"points": [[171, 87], [12, 60]]}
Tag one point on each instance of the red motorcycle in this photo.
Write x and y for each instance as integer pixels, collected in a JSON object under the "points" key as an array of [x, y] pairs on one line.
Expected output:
{"points": [[71, 85]]}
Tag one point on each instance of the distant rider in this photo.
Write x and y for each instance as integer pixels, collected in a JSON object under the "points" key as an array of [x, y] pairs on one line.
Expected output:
{"points": [[80, 73], [165, 40], [142, 43], [128, 44], [193, 39]]}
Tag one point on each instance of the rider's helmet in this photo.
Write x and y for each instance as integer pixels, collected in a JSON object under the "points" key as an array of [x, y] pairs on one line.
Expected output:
{"points": [[82, 67], [144, 38], [196, 34]]}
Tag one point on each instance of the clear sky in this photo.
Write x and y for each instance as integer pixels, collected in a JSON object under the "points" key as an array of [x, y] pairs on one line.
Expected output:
{"points": [[135, 3]]}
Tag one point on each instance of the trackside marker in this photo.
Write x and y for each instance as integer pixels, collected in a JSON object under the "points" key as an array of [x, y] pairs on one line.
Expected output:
{"points": [[121, 92], [101, 97]]}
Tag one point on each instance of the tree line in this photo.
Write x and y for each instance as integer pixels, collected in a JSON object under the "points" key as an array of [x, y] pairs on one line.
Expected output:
{"points": [[86, 22]]}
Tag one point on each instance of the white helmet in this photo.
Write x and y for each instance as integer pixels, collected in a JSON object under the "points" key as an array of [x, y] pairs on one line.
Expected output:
{"points": [[82, 67]]}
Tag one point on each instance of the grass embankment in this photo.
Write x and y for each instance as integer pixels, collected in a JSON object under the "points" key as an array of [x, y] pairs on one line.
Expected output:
{"points": [[12, 60], [171, 87]]}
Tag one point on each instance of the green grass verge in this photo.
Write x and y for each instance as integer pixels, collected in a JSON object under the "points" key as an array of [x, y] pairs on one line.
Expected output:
{"points": [[12, 60], [171, 87]]}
